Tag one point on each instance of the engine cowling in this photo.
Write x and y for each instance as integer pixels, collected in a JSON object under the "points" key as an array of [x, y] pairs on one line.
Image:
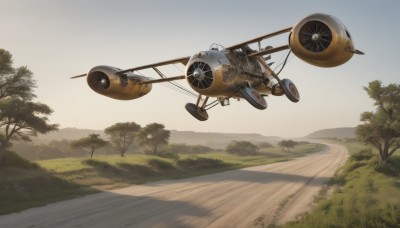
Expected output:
{"points": [[321, 40], [105, 81]]}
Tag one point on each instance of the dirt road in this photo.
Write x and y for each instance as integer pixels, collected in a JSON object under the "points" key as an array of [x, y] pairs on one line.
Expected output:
{"points": [[240, 198]]}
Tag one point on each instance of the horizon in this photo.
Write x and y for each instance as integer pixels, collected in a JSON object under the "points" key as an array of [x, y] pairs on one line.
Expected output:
{"points": [[56, 40], [212, 132]]}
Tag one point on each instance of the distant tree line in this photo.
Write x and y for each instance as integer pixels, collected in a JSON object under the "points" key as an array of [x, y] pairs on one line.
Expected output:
{"points": [[123, 135]]}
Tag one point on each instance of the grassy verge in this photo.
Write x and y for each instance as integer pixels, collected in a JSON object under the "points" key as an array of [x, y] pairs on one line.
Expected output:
{"points": [[110, 171], [24, 184], [367, 195]]}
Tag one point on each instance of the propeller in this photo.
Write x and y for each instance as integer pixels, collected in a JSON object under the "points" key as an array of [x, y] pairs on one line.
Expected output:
{"points": [[200, 75], [102, 81], [315, 36]]}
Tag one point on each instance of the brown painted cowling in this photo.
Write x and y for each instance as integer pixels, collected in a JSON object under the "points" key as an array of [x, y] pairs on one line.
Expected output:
{"points": [[105, 81], [322, 40]]}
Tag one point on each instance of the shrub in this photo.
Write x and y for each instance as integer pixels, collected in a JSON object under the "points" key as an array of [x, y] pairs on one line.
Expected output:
{"points": [[185, 149], [194, 164], [197, 149], [11, 159], [163, 154], [160, 165], [242, 148], [365, 154]]}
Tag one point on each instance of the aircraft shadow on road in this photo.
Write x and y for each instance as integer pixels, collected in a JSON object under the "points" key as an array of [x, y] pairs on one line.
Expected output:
{"points": [[243, 175], [149, 211], [107, 209]]}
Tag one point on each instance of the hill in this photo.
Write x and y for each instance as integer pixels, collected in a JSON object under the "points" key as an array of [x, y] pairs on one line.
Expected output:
{"points": [[211, 139], [217, 140], [340, 133]]}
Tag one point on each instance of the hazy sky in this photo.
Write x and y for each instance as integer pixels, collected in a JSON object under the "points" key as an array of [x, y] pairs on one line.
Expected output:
{"points": [[59, 39]]}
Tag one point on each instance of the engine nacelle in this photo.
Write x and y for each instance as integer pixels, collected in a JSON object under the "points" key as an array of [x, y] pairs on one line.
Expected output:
{"points": [[105, 81], [321, 40]]}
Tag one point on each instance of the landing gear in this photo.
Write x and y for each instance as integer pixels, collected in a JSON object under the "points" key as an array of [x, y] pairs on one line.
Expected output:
{"points": [[196, 112], [290, 90], [253, 97]]}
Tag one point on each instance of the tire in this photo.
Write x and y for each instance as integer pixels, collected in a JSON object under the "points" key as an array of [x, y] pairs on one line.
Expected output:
{"points": [[200, 114], [253, 97], [290, 90]]}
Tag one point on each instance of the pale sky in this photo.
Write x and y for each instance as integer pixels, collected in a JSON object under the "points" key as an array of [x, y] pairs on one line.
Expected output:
{"points": [[59, 39]]}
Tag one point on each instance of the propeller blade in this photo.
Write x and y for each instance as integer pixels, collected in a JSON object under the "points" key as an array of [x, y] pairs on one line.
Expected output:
{"points": [[79, 76]]}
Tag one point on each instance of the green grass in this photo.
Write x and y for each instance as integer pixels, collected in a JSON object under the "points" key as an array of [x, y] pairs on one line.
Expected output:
{"points": [[114, 171], [24, 184], [367, 195]]}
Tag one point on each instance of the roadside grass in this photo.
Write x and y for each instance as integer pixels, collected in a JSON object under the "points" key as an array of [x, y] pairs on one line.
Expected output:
{"points": [[25, 184], [111, 171], [366, 195]]}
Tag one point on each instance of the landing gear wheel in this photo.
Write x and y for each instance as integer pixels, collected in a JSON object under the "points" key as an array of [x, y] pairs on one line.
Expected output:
{"points": [[290, 90], [253, 97], [196, 112]]}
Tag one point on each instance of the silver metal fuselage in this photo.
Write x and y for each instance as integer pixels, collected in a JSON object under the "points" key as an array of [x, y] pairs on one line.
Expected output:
{"points": [[231, 70]]}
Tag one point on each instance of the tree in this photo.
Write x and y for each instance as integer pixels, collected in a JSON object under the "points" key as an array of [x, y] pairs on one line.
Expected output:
{"points": [[15, 82], [154, 135], [287, 144], [122, 135], [381, 128], [242, 148], [92, 143], [20, 117]]}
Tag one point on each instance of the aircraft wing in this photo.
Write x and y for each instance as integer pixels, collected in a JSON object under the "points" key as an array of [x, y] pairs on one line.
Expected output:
{"points": [[260, 38], [182, 60]]}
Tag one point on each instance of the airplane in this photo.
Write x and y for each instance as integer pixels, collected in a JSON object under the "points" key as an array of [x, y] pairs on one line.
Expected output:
{"points": [[237, 71]]}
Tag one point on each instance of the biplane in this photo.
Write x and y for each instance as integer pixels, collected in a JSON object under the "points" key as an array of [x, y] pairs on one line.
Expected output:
{"points": [[238, 71]]}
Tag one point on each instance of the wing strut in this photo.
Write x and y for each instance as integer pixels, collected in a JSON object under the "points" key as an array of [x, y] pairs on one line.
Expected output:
{"points": [[163, 80]]}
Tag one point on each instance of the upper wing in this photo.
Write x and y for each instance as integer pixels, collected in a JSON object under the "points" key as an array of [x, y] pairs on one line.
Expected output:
{"points": [[259, 39], [183, 60]]}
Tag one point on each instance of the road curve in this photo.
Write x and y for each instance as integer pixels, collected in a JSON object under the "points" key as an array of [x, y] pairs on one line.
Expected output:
{"points": [[240, 198]]}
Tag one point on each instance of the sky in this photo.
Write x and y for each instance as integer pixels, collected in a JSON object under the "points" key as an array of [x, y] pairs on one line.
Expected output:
{"points": [[60, 39]]}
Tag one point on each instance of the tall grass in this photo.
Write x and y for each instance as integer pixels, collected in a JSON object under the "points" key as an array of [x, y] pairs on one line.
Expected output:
{"points": [[24, 185], [367, 196]]}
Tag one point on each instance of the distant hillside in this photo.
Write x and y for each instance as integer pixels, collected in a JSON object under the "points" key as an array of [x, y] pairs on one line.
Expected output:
{"points": [[341, 133], [215, 140]]}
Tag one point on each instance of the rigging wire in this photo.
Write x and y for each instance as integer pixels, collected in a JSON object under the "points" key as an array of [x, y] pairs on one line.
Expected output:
{"points": [[173, 82], [173, 87], [284, 63]]}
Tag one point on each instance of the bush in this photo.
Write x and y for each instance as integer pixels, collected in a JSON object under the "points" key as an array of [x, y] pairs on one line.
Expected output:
{"points": [[365, 154], [199, 149], [242, 148], [186, 149], [11, 159], [163, 154], [386, 169], [160, 165], [195, 164]]}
